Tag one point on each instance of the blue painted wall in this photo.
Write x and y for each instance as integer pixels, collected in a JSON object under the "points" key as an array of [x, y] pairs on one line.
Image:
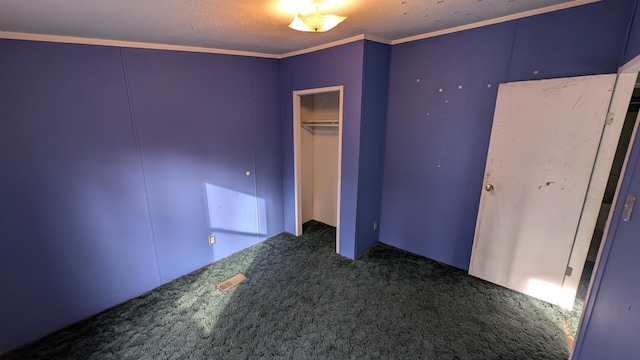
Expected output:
{"points": [[583, 40], [340, 65], [375, 86], [633, 39], [117, 164], [362, 67], [437, 141], [267, 140], [193, 115], [73, 222]]}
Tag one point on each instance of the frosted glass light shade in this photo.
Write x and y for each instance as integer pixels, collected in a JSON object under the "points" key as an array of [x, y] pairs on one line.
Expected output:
{"points": [[316, 22]]}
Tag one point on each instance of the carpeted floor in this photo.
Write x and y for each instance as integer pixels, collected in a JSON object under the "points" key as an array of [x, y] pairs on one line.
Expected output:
{"points": [[303, 301], [573, 317]]}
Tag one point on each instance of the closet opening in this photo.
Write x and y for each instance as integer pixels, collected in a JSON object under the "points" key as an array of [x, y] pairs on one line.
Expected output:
{"points": [[610, 191], [317, 137]]}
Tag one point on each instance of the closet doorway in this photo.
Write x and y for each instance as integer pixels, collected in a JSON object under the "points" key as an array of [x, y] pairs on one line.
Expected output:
{"points": [[317, 139]]}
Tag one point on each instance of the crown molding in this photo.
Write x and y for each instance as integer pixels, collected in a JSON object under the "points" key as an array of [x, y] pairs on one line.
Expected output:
{"points": [[498, 20], [157, 46], [336, 43], [128, 44]]}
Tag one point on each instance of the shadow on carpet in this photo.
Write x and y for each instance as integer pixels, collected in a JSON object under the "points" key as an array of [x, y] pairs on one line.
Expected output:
{"points": [[303, 301]]}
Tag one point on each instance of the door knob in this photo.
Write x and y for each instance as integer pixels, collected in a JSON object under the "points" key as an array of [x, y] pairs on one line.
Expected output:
{"points": [[489, 187]]}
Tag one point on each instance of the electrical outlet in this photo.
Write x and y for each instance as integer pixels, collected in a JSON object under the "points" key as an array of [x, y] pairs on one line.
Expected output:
{"points": [[375, 225], [212, 239]]}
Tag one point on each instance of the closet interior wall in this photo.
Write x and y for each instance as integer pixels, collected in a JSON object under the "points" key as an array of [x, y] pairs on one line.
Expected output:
{"points": [[319, 116]]}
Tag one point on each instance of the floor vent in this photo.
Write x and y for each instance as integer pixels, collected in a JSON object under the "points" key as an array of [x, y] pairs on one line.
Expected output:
{"points": [[231, 282]]}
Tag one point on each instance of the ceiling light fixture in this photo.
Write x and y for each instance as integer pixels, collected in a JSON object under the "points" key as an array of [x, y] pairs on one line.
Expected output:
{"points": [[314, 21]]}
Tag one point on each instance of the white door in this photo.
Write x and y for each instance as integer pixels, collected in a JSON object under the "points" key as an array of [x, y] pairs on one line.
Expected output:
{"points": [[544, 141]]}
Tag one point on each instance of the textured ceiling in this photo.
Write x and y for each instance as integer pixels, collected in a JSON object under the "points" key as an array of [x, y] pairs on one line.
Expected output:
{"points": [[247, 25]]}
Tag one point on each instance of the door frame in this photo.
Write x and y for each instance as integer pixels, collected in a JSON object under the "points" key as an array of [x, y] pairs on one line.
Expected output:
{"points": [[618, 106], [297, 156], [630, 70]]}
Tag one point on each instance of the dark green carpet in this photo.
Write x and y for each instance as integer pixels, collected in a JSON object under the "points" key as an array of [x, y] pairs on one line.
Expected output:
{"points": [[303, 301], [573, 317]]}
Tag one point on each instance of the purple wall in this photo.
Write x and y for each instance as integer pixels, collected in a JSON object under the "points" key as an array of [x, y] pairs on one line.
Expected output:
{"points": [[117, 164], [375, 88], [362, 67], [194, 117], [633, 39], [437, 141], [73, 220], [340, 65], [267, 142], [583, 40]]}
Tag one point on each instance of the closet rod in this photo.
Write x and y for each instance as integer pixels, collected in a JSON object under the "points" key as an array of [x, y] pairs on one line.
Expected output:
{"points": [[310, 125], [320, 123]]}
